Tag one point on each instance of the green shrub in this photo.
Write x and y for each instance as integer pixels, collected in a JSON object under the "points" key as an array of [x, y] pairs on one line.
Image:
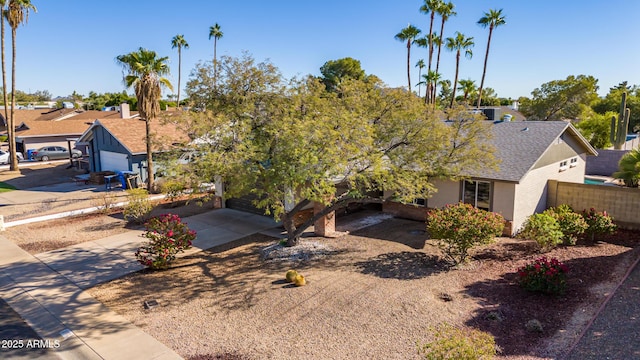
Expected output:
{"points": [[168, 236], [598, 223], [460, 227], [571, 224], [139, 207], [173, 188], [544, 229], [459, 344], [544, 275]]}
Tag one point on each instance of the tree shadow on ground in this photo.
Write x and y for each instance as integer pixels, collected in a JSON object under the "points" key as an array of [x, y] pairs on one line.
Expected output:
{"points": [[405, 265], [407, 232], [505, 307]]}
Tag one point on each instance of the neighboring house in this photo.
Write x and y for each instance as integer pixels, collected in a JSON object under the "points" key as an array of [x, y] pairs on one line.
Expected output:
{"points": [[32, 135], [530, 154], [119, 144]]}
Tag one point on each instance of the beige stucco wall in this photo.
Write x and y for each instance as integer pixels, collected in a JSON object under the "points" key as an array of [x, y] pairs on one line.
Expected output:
{"points": [[448, 193], [502, 202], [531, 192]]}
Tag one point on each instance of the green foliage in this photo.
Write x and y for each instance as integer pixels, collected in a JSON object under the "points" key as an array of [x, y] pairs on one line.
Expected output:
{"points": [[168, 236], [544, 229], [600, 223], [611, 103], [629, 168], [139, 207], [293, 141], [105, 201], [173, 188], [460, 227], [544, 275], [571, 224], [620, 126], [451, 343], [560, 99], [596, 128], [334, 71]]}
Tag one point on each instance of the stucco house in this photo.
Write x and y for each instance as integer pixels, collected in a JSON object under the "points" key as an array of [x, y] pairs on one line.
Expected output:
{"points": [[119, 144], [530, 153]]}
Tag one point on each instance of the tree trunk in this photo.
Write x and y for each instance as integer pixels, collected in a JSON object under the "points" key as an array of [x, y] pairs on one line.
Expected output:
{"points": [[4, 79], [11, 128], [484, 69], [179, 72], [438, 61], [408, 61], [149, 156], [455, 82], [292, 237]]}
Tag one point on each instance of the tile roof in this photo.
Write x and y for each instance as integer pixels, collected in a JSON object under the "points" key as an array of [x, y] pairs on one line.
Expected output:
{"points": [[131, 133], [519, 145]]}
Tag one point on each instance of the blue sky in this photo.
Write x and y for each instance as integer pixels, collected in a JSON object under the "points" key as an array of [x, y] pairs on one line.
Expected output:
{"points": [[72, 44]]}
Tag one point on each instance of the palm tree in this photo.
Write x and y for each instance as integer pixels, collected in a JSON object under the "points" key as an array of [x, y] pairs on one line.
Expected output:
{"points": [[3, 3], [445, 11], [420, 65], [408, 34], [145, 73], [179, 42], [431, 77], [492, 19], [629, 168], [16, 14], [430, 7], [216, 33], [468, 87], [457, 44]]}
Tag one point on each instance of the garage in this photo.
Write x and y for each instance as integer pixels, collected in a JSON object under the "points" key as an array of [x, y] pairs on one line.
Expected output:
{"points": [[112, 161]]}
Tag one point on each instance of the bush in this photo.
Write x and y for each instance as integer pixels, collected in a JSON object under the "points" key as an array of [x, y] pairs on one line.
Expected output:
{"points": [[544, 229], [453, 343], [571, 224], [598, 223], [460, 227], [139, 207], [543, 275], [168, 236], [105, 201], [173, 188]]}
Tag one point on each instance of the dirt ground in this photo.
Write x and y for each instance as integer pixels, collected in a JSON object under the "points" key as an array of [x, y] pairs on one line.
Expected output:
{"points": [[39, 174], [371, 294]]}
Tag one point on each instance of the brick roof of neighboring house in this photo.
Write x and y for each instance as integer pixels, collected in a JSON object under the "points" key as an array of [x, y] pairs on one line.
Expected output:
{"points": [[519, 145], [131, 133], [37, 128]]}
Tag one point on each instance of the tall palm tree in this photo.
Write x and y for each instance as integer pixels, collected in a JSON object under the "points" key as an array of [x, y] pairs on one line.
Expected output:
{"points": [[408, 34], [431, 77], [430, 7], [468, 87], [16, 14], [179, 42], [492, 19], [3, 4], [445, 11], [145, 72], [457, 44], [215, 32], [420, 65]]}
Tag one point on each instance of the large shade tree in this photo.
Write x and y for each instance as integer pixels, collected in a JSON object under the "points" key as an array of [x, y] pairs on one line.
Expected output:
{"points": [[16, 14], [408, 35], [334, 71], [179, 42], [458, 44], [561, 99], [491, 19], [146, 72], [292, 143]]}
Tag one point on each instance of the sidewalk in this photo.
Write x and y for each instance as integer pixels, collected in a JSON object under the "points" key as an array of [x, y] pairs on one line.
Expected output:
{"points": [[47, 290]]}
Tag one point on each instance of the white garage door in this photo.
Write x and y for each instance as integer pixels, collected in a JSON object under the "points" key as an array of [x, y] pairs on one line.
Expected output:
{"points": [[113, 161]]}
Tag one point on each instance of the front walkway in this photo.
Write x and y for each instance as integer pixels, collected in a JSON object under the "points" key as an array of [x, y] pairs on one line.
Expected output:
{"points": [[47, 289]]}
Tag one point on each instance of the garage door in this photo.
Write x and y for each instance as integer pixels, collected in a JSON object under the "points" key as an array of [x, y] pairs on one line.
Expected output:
{"points": [[113, 161]]}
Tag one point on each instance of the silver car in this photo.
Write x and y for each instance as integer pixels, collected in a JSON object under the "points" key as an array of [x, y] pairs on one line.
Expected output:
{"points": [[4, 157], [55, 153]]}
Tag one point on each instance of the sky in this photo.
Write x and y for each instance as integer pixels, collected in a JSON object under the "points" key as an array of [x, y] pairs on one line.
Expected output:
{"points": [[71, 45]]}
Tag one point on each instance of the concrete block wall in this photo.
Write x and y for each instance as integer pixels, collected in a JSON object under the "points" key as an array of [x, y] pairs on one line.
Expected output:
{"points": [[623, 204]]}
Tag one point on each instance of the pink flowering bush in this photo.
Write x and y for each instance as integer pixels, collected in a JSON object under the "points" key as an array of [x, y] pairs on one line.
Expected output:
{"points": [[460, 227], [168, 236], [544, 275], [598, 223]]}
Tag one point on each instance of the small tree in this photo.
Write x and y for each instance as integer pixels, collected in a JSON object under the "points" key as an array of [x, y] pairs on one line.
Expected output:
{"points": [[571, 223], [599, 223], [544, 229], [460, 227]]}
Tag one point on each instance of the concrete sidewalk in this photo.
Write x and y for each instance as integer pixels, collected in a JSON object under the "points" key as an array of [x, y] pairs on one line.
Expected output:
{"points": [[47, 290]]}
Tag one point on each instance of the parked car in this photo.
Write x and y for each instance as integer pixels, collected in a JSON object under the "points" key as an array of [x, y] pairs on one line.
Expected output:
{"points": [[54, 152], [4, 157]]}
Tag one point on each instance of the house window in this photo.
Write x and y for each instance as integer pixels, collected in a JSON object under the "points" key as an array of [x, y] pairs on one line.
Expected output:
{"points": [[563, 165], [573, 162], [477, 193], [422, 202]]}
